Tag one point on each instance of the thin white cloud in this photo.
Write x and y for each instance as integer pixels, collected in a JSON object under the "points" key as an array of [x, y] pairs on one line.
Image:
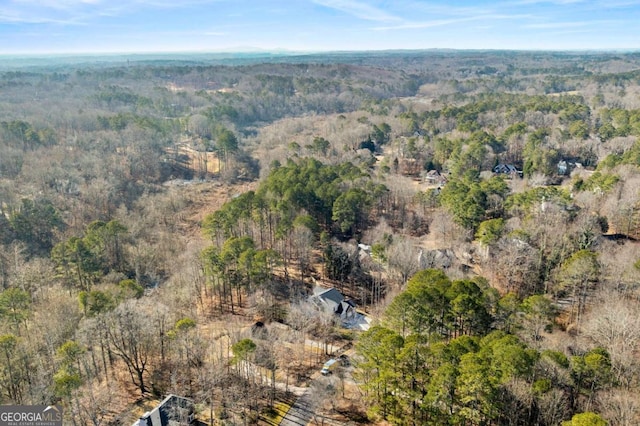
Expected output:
{"points": [[569, 32], [569, 25], [16, 17], [75, 12], [553, 25], [61, 12], [359, 10], [416, 8], [584, 4], [171, 4], [554, 2], [444, 22], [189, 33], [617, 4], [54, 4], [423, 24]]}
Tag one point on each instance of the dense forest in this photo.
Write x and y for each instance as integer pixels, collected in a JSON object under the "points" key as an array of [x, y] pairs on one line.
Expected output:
{"points": [[165, 221]]}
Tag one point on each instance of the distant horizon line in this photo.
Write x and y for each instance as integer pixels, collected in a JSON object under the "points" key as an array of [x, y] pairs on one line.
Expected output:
{"points": [[288, 52]]}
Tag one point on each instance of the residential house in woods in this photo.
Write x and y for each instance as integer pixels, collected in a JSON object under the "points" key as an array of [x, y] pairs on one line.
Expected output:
{"points": [[565, 167], [173, 410], [433, 177], [507, 169], [334, 300]]}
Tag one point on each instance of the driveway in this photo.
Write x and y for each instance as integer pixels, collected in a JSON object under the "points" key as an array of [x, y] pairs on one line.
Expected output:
{"points": [[301, 412], [305, 407]]}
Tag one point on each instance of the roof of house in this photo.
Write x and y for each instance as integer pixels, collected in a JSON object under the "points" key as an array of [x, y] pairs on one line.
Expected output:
{"points": [[435, 175], [172, 408], [330, 295], [505, 168]]}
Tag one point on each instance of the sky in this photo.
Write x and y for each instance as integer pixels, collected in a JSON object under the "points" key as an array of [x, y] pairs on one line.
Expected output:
{"points": [[130, 26]]}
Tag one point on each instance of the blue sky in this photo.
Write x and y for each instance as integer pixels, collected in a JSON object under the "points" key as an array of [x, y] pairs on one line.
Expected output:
{"points": [[97, 26]]}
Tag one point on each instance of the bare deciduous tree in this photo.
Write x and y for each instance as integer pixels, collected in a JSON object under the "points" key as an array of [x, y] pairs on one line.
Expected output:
{"points": [[614, 324], [620, 407], [403, 259], [134, 339]]}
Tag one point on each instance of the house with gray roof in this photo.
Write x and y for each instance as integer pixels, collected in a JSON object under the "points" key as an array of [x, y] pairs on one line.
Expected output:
{"points": [[173, 410], [333, 300]]}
